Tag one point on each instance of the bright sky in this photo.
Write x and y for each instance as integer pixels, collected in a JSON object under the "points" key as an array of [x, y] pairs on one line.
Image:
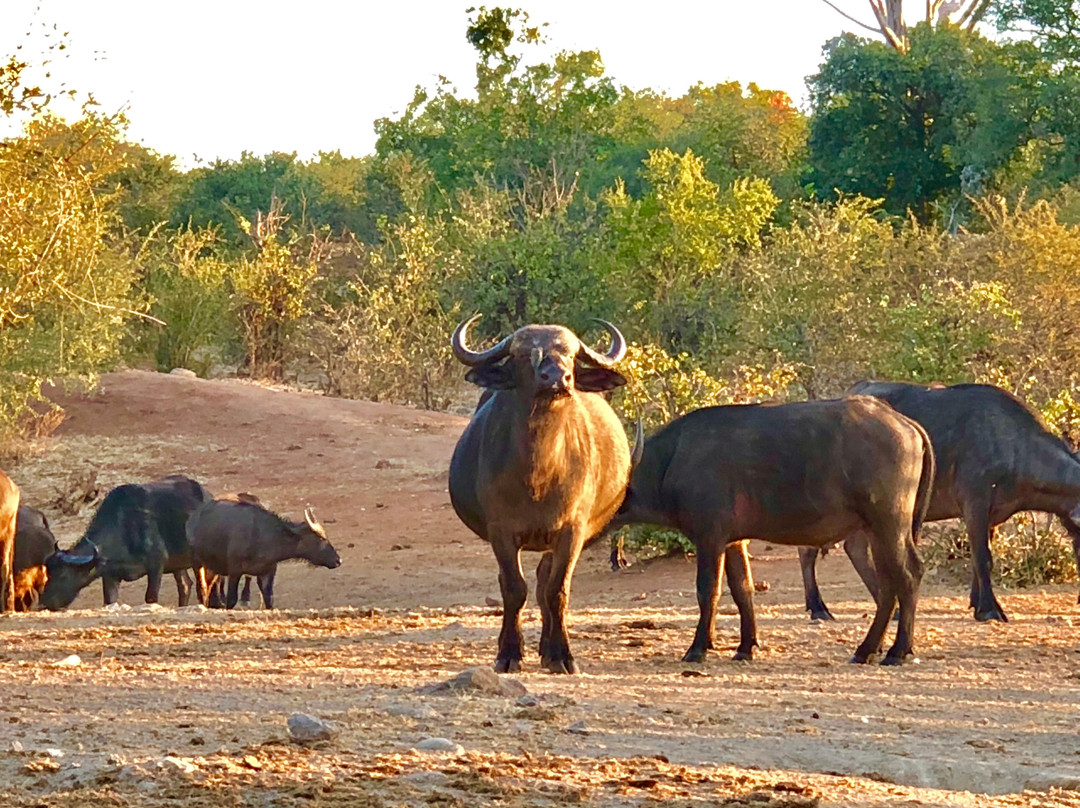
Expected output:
{"points": [[212, 78]]}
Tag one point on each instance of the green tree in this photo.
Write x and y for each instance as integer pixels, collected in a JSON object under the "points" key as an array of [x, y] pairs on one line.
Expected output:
{"points": [[1053, 24]]}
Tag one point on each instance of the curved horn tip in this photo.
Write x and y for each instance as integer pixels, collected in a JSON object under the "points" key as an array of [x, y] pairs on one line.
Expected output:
{"points": [[617, 350], [466, 355]]}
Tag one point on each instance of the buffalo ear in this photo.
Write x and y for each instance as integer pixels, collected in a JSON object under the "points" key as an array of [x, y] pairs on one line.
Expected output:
{"points": [[590, 379], [494, 377]]}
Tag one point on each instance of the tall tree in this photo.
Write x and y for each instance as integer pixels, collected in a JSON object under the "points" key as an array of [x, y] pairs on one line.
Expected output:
{"points": [[892, 23]]}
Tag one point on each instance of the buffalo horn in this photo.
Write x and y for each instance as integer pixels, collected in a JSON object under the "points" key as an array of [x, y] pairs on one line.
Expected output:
{"points": [[473, 358], [310, 518], [79, 559], [639, 445], [616, 352]]}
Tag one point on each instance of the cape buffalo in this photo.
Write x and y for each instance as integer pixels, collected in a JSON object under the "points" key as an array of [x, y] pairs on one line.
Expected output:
{"points": [[236, 538], [541, 466], [9, 509], [805, 473], [34, 543], [138, 530], [994, 458]]}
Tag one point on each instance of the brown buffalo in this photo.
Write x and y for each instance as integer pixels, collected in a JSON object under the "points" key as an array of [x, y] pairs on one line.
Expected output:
{"points": [[541, 466], [239, 537], [9, 509], [34, 543]]}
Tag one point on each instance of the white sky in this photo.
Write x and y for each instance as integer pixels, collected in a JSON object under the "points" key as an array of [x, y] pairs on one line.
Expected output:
{"points": [[213, 78]]}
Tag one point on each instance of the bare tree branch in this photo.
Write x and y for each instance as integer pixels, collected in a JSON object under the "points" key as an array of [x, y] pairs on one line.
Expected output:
{"points": [[843, 13]]}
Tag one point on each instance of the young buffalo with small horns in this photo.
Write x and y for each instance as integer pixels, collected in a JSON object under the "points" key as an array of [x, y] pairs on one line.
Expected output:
{"points": [[542, 466]]}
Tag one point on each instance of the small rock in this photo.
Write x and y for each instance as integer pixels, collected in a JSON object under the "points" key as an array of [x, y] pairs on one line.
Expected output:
{"points": [[642, 624], [426, 779], [440, 745], [252, 762], [304, 728], [170, 763], [689, 672], [421, 712], [578, 728], [490, 601], [761, 586], [986, 743], [116, 760], [382, 464], [190, 374], [72, 661], [197, 740], [481, 679], [536, 713], [642, 596], [396, 547], [16, 746], [55, 753]]}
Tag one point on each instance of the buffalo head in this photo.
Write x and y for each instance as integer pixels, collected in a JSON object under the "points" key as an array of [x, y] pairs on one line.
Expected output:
{"points": [[542, 361], [312, 544], [68, 574]]}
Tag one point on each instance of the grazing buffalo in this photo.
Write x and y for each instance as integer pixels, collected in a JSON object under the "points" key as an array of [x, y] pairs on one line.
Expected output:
{"points": [[138, 530], [541, 466], [994, 458], [9, 510], [806, 473], [236, 538], [34, 543]]}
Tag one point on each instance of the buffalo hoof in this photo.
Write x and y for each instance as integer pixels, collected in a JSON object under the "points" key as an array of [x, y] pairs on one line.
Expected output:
{"points": [[695, 655], [860, 658], [821, 614], [744, 656], [561, 665], [993, 613], [892, 660], [508, 665]]}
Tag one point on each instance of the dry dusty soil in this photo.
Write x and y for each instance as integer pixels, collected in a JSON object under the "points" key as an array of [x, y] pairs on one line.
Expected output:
{"points": [[170, 706]]}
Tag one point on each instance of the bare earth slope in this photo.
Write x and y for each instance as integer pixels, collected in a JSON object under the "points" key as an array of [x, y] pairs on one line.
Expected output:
{"points": [[178, 707]]}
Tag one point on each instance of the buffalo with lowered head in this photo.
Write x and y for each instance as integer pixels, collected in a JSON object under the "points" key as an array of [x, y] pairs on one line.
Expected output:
{"points": [[542, 466], [137, 531], [994, 458], [238, 537], [34, 543], [804, 473]]}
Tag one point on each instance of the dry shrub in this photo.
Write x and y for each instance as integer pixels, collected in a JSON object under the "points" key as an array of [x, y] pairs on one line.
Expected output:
{"points": [[1028, 550]]}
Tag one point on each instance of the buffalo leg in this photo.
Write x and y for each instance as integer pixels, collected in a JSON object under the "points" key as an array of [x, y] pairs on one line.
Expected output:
{"points": [[977, 522], [514, 592], [203, 585], [564, 558], [266, 588], [618, 560], [908, 594], [234, 592], [858, 550], [110, 589], [153, 585], [245, 596], [183, 587], [741, 583], [543, 575], [1074, 533], [808, 557], [708, 592]]}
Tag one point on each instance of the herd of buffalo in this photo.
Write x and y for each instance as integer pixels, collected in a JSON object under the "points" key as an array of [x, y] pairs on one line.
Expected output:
{"points": [[544, 465]]}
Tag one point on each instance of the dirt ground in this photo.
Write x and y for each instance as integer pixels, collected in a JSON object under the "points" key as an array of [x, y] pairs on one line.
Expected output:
{"points": [[168, 706]]}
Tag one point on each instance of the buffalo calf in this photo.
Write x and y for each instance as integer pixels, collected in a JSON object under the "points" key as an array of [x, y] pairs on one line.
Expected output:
{"points": [[34, 543], [9, 509], [235, 538]]}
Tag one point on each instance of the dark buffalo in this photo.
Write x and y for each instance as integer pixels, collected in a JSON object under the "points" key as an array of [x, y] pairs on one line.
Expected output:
{"points": [[235, 538], [541, 466], [9, 510], [34, 543], [138, 530], [791, 474], [994, 458]]}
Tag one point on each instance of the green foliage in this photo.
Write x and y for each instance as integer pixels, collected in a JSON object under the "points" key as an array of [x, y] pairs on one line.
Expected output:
{"points": [[1053, 24], [188, 284], [956, 115], [65, 288]]}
